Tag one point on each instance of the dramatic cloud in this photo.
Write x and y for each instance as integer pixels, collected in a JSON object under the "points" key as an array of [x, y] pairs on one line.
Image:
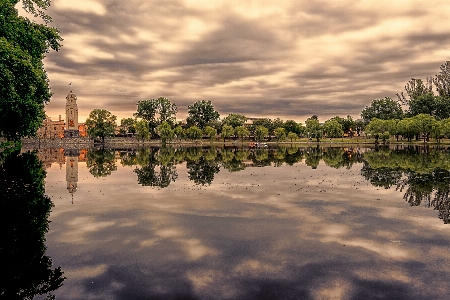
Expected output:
{"points": [[287, 59]]}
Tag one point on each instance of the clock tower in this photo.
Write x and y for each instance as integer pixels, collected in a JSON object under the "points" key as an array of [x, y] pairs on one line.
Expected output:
{"points": [[71, 116]]}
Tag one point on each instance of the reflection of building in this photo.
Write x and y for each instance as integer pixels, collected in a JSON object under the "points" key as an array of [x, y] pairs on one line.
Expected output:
{"points": [[72, 170], [59, 129]]}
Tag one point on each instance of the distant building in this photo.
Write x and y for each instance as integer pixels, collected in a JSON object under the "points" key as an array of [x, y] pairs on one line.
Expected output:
{"points": [[59, 129]]}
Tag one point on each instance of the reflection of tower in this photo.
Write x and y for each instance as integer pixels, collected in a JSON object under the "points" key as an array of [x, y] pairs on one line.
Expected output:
{"points": [[71, 116], [71, 170]]}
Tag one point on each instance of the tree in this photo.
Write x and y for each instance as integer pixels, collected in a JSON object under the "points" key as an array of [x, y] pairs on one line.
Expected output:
{"points": [[348, 125], [424, 124], [234, 120], [292, 136], [442, 80], [242, 132], [383, 109], [166, 132], [142, 131], [24, 84], [280, 133], [201, 114], [156, 111], [179, 132], [127, 126], [379, 129], [333, 128], [292, 126], [210, 132], [313, 128], [261, 132], [227, 131], [407, 128], [194, 133], [100, 123]]}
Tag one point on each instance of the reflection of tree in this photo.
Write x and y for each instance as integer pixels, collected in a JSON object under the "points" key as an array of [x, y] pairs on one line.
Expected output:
{"points": [[127, 158], [313, 156], [24, 211], [233, 160], [293, 155], [381, 177], [202, 171], [158, 167], [340, 157], [101, 162], [260, 158], [415, 172]]}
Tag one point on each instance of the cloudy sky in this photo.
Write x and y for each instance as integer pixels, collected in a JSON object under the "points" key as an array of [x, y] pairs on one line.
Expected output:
{"points": [[286, 59]]}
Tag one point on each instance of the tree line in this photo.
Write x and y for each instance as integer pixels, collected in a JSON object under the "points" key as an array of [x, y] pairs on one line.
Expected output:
{"points": [[156, 118], [426, 112]]}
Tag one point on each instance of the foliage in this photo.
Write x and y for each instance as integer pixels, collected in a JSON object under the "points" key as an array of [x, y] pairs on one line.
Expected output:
{"points": [[210, 132], [194, 133], [380, 129], [101, 162], [280, 133], [442, 80], [142, 131], [292, 136], [179, 132], [201, 114], [165, 131], [292, 126], [24, 83], [313, 128], [156, 111], [383, 109], [202, 171], [242, 132], [100, 123], [333, 129], [157, 168], [127, 125], [265, 122], [227, 131], [424, 125], [24, 211], [261, 132], [234, 120]]}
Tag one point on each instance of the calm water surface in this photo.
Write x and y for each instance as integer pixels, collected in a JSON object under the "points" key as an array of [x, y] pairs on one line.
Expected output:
{"points": [[289, 223]]}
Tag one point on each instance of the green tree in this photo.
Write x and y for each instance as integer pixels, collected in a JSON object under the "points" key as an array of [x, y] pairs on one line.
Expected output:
{"points": [[280, 133], [379, 129], [156, 111], [292, 126], [194, 133], [333, 128], [234, 120], [313, 128], [100, 123], [166, 132], [142, 131], [128, 126], [210, 132], [442, 80], [179, 132], [424, 124], [242, 132], [383, 109], [407, 128], [227, 131], [261, 132], [292, 136], [24, 83], [201, 114]]}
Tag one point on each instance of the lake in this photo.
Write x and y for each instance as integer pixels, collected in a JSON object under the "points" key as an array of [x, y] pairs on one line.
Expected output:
{"points": [[230, 223]]}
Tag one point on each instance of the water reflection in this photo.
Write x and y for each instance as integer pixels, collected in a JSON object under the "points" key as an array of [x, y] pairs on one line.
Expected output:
{"points": [[423, 174], [24, 211]]}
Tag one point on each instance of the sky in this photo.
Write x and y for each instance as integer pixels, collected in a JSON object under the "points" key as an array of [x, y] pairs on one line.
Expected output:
{"points": [[276, 59]]}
